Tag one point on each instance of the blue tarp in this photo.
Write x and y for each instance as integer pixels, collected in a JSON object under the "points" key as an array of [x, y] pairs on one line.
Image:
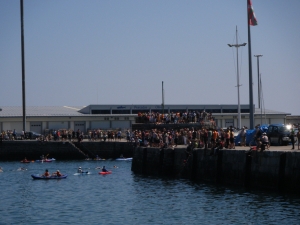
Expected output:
{"points": [[250, 135]]}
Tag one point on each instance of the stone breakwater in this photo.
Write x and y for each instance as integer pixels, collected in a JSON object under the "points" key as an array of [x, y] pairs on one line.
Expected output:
{"points": [[32, 150], [272, 170]]}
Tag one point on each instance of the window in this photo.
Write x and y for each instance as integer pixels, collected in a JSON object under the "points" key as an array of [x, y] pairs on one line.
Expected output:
{"points": [[213, 110], [104, 111], [116, 118], [106, 118], [125, 111], [230, 110], [182, 110], [136, 111], [126, 118], [245, 110]]}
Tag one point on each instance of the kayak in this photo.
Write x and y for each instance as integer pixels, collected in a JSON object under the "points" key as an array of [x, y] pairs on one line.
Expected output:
{"points": [[104, 173], [45, 160], [124, 159], [37, 176], [83, 173], [25, 161], [99, 159]]}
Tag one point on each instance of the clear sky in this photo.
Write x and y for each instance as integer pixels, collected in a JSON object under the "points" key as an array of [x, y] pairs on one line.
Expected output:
{"points": [[118, 52]]}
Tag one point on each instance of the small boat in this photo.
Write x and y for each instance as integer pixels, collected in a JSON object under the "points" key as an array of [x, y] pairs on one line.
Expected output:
{"points": [[124, 159], [25, 161], [105, 173], [41, 177], [83, 173], [45, 160]]}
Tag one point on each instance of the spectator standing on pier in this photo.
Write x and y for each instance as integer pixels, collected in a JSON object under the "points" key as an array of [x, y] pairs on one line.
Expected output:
{"points": [[14, 134], [205, 138], [209, 136], [227, 133], [232, 145], [298, 138], [243, 137], [128, 135], [257, 136], [292, 136]]}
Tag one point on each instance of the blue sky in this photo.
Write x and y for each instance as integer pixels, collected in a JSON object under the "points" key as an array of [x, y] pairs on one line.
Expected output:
{"points": [[118, 52]]}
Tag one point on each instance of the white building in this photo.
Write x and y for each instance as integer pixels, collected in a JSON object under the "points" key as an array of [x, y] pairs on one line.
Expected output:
{"points": [[41, 118]]}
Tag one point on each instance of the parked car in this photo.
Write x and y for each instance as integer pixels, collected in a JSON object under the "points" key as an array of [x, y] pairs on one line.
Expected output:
{"points": [[279, 134], [32, 135]]}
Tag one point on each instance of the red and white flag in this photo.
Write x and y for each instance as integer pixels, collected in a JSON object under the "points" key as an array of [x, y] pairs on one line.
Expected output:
{"points": [[251, 15]]}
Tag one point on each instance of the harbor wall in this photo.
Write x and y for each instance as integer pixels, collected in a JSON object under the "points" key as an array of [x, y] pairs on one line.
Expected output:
{"points": [[271, 170], [32, 150]]}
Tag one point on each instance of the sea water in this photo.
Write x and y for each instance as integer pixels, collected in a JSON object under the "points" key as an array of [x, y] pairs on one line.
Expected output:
{"points": [[125, 198]]}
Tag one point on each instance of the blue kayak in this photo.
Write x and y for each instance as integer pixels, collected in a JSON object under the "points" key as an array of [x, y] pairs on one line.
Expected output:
{"points": [[37, 176], [45, 160]]}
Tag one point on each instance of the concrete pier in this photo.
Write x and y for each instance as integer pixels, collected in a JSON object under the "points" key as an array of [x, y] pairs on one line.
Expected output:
{"points": [[271, 169], [63, 150]]}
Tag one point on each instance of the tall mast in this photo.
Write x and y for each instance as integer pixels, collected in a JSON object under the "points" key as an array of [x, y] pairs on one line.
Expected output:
{"points": [[163, 98]]}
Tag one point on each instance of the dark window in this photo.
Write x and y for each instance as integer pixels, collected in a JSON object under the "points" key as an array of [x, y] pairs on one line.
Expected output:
{"points": [[230, 110], [213, 110], [126, 111], [136, 111], [180, 110], [104, 111], [245, 110]]}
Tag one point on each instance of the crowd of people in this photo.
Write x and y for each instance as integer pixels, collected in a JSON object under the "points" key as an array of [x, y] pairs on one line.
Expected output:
{"points": [[196, 138], [175, 117]]}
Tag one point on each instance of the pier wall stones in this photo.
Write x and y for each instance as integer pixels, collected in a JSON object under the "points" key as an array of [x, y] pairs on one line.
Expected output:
{"points": [[107, 149], [32, 150], [271, 170]]}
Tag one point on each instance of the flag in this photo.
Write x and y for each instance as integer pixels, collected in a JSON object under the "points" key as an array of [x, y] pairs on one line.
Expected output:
{"points": [[251, 15]]}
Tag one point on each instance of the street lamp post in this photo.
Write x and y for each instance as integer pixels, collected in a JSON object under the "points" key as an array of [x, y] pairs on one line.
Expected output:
{"points": [[238, 77], [258, 80]]}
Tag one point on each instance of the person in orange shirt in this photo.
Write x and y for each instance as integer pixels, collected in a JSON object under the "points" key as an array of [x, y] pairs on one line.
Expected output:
{"points": [[215, 136]]}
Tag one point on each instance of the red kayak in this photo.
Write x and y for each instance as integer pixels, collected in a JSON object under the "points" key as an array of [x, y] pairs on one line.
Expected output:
{"points": [[104, 173]]}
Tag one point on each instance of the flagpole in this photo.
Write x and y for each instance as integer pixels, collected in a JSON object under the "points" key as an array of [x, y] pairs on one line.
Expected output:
{"points": [[251, 115], [23, 65]]}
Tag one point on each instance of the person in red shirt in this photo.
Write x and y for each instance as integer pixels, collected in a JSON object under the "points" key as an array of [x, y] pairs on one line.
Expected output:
{"points": [[46, 174]]}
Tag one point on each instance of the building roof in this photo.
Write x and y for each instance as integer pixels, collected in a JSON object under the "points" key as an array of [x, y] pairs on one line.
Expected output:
{"points": [[17, 111]]}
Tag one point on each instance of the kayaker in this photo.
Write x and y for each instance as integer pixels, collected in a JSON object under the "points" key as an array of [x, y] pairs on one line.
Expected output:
{"points": [[46, 174], [57, 173], [79, 170], [104, 169]]}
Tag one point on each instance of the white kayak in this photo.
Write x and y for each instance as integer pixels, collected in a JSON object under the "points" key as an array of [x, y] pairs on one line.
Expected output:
{"points": [[124, 159], [83, 173]]}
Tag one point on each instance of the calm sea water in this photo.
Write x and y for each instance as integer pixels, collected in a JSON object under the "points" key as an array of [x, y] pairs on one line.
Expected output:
{"points": [[125, 198]]}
